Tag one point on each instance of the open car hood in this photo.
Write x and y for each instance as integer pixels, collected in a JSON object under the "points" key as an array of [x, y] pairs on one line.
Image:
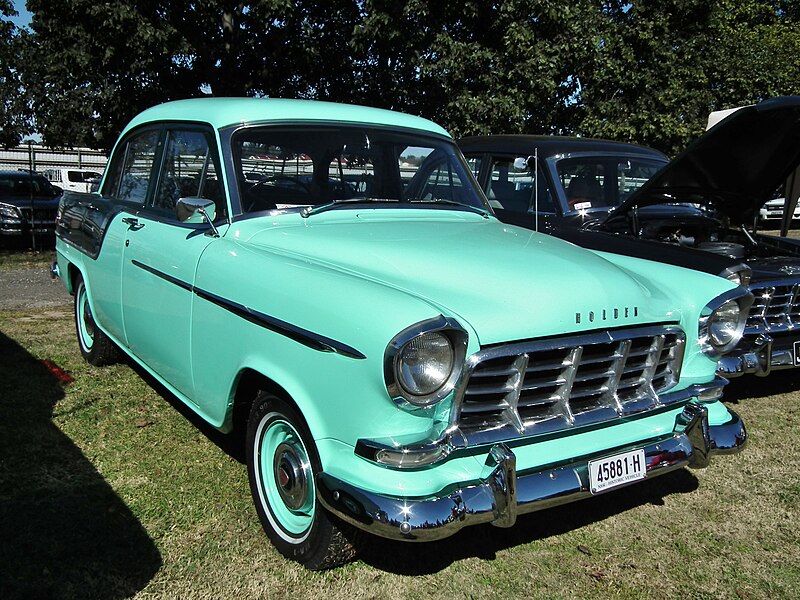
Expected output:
{"points": [[734, 167]]}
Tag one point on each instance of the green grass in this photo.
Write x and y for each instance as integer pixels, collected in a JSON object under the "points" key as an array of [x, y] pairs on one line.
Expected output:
{"points": [[25, 259], [108, 491]]}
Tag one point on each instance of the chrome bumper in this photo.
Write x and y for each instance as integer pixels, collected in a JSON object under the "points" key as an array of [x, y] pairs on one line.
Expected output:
{"points": [[503, 494], [761, 359]]}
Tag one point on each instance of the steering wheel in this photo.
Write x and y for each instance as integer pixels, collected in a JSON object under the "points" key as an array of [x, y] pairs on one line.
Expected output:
{"points": [[297, 183], [274, 178]]}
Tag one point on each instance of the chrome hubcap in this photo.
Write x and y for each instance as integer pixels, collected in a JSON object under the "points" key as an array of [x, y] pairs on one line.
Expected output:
{"points": [[291, 475]]}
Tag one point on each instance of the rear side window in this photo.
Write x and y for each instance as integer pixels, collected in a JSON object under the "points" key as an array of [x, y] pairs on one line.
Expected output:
{"points": [[132, 168]]}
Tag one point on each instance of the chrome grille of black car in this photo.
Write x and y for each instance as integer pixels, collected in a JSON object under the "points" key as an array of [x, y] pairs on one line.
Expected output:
{"points": [[547, 385], [775, 307], [40, 215]]}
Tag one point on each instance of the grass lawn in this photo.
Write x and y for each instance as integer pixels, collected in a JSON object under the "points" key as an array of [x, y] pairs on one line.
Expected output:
{"points": [[26, 259], [108, 491]]}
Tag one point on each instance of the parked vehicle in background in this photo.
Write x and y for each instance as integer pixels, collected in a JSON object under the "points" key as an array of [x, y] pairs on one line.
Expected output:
{"points": [[772, 212], [74, 180], [395, 358], [28, 206], [698, 211]]}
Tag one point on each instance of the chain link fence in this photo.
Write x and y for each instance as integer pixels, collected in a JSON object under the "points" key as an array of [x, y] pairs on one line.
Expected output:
{"points": [[37, 158]]}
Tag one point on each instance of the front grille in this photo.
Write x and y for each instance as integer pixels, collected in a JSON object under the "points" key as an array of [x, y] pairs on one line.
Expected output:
{"points": [[775, 307], [546, 385], [40, 216]]}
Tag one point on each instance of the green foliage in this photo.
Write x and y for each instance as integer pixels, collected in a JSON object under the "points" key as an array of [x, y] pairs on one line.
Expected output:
{"points": [[15, 115], [660, 66], [647, 71]]}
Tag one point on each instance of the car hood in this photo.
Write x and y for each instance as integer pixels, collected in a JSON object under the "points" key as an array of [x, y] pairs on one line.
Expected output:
{"points": [[38, 201], [734, 167], [508, 283]]}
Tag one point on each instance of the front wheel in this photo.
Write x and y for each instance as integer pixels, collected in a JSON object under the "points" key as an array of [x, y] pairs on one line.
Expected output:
{"points": [[281, 463], [96, 347]]}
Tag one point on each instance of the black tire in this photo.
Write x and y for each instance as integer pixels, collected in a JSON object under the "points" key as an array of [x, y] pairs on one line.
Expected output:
{"points": [[281, 464], [96, 347]]}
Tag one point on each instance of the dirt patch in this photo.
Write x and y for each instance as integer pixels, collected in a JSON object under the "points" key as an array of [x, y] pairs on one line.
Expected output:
{"points": [[31, 288]]}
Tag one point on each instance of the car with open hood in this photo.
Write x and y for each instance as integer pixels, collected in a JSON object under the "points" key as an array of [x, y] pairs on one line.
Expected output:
{"points": [[700, 210], [328, 283]]}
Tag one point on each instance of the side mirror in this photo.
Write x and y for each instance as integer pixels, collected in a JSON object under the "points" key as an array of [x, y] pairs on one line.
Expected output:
{"points": [[521, 163], [197, 210]]}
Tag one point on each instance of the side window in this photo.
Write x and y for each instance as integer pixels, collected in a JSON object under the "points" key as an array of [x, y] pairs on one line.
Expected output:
{"points": [[132, 168], [189, 169], [474, 163], [440, 179], [518, 191]]}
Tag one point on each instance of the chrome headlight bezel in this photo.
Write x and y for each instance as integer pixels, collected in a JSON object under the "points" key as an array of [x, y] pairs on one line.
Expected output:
{"points": [[736, 303], [441, 329], [739, 274]]}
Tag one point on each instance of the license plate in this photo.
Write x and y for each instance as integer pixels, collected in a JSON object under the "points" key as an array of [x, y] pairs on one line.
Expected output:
{"points": [[616, 470], [797, 353]]}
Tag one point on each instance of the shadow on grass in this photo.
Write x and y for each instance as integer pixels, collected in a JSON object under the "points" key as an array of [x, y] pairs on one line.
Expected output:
{"points": [[751, 386], [485, 541], [64, 532], [231, 445]]}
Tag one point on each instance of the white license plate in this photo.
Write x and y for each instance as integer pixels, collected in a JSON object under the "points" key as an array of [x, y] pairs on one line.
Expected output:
{"points": [[616, 470], [797, 353]]}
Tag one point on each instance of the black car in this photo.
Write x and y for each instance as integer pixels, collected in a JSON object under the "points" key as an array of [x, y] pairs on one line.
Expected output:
{"points": [[28, 206], [698, 211]]}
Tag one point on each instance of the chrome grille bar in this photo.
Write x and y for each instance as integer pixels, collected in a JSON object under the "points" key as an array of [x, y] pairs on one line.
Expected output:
{"points": [[776, 307], [546, 385]]}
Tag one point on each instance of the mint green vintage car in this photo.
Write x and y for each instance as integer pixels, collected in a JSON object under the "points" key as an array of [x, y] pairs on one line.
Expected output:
{"points": [[328, 282]]}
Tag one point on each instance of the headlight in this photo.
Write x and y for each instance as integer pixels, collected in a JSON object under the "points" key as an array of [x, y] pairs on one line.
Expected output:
{"points": [[738, 274], [423, 362], [10, 211], [722, 322]]}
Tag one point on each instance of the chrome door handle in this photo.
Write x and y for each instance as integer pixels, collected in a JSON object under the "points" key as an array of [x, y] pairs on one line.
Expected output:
{"points": [[133, 223]]}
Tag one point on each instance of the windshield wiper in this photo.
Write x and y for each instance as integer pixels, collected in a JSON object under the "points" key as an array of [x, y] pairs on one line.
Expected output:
{"points": [[315, 210], [480, 211]]}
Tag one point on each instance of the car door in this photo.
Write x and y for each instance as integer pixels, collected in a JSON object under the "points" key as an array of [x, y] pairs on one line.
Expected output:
{"points": [[161, 254], [124, 193]]}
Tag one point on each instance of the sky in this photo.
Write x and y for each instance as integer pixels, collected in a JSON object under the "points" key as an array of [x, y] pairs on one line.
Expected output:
{"points": [[24, 17]]}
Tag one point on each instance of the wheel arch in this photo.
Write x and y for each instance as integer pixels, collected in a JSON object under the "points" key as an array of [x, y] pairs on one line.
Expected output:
{"points": [[249, 383]]}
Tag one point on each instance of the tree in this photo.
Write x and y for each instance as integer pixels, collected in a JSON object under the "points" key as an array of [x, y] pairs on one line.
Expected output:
{"points": [[98, 64], [15, 118], [647, 71], [660, 66]]}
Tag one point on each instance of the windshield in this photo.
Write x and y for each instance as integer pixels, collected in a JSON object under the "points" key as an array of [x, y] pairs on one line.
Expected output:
{"points": [[25, 184], [296, 167], [602, 182]]}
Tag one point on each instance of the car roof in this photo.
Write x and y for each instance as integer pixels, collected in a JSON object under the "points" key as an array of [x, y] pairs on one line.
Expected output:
{"points": [[17, 174], [550, 145], [224, 112]]}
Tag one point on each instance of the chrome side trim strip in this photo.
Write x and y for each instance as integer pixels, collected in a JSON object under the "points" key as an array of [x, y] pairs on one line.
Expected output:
{"points": [[298, 334], [489, 500]]}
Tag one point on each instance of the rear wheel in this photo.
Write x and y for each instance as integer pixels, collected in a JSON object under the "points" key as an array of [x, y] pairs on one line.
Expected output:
{"points": [[96, 347], [281, 463]]}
